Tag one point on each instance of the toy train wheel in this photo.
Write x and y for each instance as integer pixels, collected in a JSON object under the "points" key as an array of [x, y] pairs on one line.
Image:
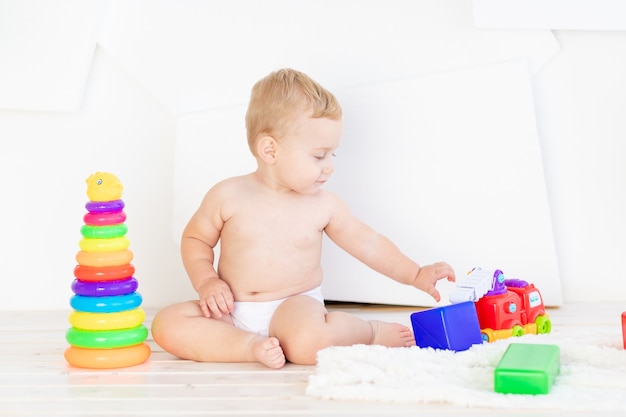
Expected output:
{"points": [[488, 335], [544, 325], [517, 331]]}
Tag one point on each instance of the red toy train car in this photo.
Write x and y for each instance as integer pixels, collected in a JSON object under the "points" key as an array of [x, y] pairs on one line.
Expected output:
{"points": [[509, 307]]}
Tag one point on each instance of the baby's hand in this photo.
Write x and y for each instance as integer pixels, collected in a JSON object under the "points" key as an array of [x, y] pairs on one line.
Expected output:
{"points": [[216, 298], [428, 276]]}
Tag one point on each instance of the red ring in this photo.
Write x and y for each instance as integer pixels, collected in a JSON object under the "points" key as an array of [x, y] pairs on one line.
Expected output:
{"points": [[103, 273]]}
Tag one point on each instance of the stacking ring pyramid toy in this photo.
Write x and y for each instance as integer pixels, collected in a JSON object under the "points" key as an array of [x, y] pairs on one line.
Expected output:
{"points": [[107, 322]]}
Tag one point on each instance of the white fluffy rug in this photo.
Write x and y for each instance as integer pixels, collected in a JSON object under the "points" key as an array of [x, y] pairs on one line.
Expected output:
{"points": [[592, 377]]}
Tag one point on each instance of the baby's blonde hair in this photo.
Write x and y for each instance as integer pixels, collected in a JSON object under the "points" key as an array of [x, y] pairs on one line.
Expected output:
{"points": [[281, 96]]}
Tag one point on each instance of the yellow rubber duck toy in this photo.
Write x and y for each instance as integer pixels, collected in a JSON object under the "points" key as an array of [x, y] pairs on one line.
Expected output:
{"points": [[104, 186]]}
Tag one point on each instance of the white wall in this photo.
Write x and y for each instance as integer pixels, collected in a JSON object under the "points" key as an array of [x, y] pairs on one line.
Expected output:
{"points": [[581, 107], [128, 118]]}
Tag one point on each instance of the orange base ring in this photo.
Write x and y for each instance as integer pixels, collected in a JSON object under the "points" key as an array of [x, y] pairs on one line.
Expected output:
{"points": [[107, 358]]}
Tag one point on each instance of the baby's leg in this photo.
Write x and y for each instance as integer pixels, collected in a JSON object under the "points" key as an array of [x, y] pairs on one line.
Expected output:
{"points": [[182, 330], [304, 326]]}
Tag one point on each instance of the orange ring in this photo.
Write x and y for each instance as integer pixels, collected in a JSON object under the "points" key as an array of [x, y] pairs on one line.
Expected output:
{"points": [[103, 273], [107, 358], [120, 257]]}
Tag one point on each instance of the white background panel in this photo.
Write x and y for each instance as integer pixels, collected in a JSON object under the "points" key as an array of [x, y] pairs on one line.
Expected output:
{"points": [[551, 14], [198, 55], [46, 49], [449, 167]]}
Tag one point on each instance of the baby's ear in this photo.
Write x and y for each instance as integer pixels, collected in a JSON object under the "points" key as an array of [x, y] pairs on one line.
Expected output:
{"points": [[266, 149]]}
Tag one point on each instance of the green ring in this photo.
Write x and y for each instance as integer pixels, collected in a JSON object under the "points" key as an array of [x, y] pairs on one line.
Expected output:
{"points": [[103, 232], [106, 339]]}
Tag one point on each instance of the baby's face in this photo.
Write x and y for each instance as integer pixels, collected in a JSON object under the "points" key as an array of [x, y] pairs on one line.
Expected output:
{"points": [[304, 157]]}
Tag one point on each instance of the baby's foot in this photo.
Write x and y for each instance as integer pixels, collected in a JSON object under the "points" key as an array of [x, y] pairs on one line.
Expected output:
{"points": [[268, 351], [391, 334]]}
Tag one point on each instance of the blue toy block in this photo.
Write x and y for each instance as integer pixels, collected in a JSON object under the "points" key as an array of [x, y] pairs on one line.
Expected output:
{"points": [[453, 327], [527, 369]]}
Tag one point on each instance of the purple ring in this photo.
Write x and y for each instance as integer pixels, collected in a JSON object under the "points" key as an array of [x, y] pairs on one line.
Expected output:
{"points": [[104, 288], [104, 206]]}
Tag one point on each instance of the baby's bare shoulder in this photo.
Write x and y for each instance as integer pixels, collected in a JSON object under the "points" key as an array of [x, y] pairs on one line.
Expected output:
{"points": [[230, 187], [223, 197], [331, 200]]}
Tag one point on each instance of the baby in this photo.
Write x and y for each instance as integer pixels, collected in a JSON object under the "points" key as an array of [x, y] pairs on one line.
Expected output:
{"points": [[263, 302]]}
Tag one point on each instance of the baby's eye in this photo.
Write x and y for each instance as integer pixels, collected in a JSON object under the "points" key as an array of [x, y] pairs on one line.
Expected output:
{"points": [[324, 156]]}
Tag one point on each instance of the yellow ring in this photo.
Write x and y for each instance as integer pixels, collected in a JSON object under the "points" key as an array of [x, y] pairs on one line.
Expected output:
{"points": [[104, 245], [107, 321], [120, 257], [107, 358]]}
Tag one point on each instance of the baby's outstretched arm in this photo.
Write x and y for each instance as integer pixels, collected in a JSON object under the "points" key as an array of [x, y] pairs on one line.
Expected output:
{"points": [[380, 254], [428, 275]]}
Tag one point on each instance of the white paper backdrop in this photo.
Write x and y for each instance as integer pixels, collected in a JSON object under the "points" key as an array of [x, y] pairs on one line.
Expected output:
{"points": [[196, 55], [46, 49]]}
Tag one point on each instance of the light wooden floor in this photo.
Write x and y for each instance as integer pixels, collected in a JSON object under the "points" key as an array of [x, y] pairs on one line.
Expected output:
{"points": [[36, 381]]}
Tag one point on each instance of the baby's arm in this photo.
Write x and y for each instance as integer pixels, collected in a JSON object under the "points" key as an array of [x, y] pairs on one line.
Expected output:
{"points": [[199, 238], [380, 254]]}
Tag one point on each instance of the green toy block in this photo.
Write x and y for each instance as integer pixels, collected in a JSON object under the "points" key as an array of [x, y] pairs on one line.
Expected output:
{"points": [[527, 369]]}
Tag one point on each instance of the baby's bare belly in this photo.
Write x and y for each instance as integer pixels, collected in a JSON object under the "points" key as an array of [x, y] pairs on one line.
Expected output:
{"points": [[266, 269], [258, 286]]}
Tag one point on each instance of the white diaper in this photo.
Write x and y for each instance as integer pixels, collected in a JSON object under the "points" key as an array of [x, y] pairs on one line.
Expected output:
{"points": [[255, 316]]}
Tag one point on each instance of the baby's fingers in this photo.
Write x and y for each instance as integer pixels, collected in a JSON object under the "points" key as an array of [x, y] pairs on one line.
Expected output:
{"points": [[210, 307], [224, 303], [435, 294], [443, 270], [205, 308]]}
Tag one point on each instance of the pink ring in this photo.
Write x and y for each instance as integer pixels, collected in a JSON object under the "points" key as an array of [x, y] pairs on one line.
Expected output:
{"points": [[104, 219], [104, 206]]}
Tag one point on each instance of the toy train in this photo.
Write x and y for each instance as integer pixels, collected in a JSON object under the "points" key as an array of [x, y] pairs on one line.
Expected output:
{"points": [[505, 307]]}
